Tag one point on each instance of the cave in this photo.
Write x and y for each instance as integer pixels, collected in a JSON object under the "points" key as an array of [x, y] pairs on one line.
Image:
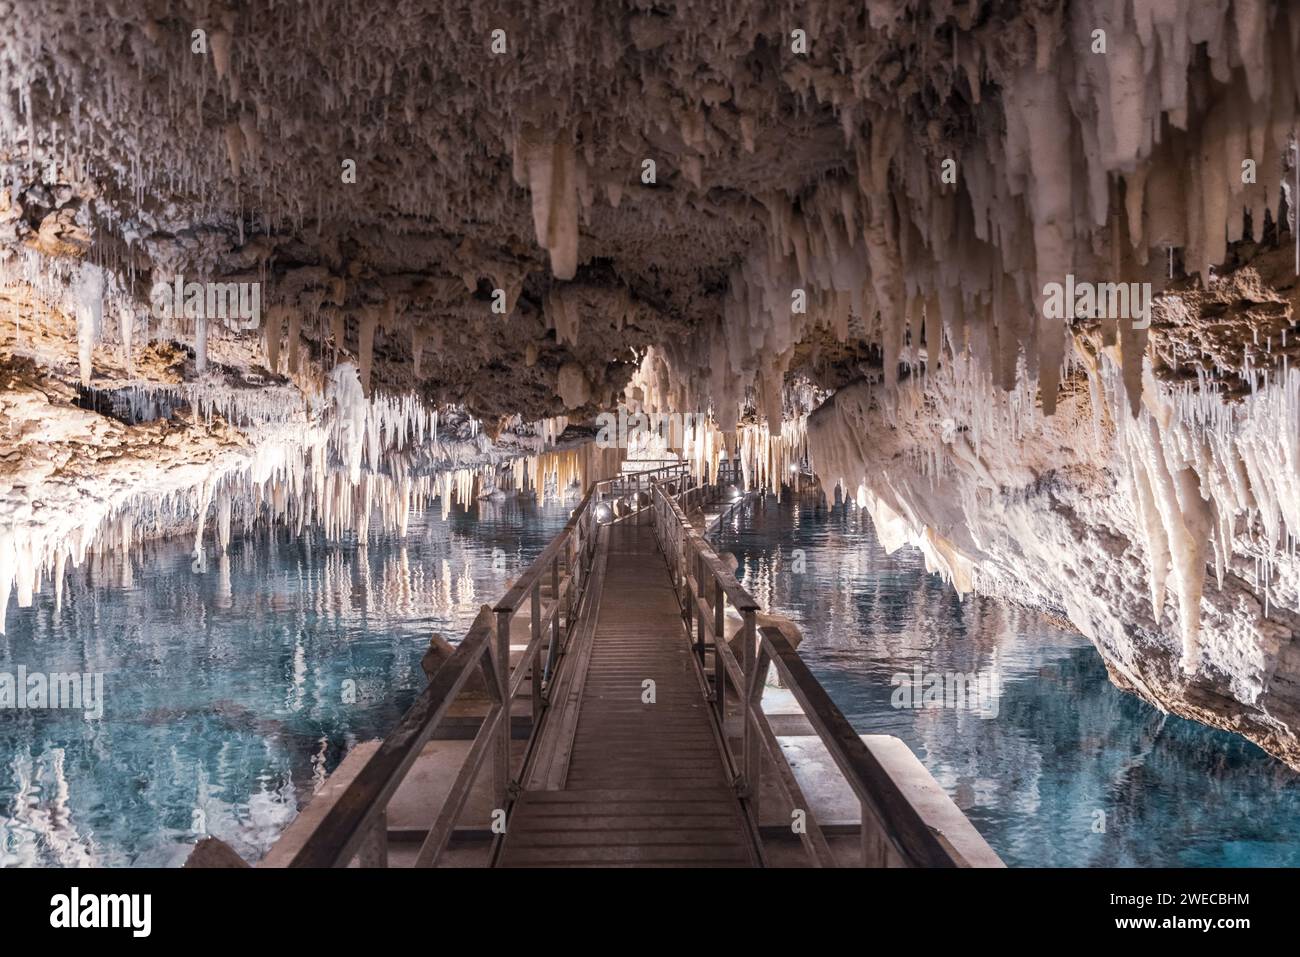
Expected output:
{"points": [[930, 362]]}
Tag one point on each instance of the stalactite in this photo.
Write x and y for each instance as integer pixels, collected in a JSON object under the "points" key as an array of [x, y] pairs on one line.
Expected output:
{"points": [[366, 345], [89, 307]]}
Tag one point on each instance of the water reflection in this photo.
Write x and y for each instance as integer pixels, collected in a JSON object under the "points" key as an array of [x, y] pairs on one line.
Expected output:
{"points": [[233, 687], [1071, 771]]}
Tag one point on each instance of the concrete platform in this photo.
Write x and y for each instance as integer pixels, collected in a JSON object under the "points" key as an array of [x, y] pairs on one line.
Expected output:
{"points": [[836, 807]]}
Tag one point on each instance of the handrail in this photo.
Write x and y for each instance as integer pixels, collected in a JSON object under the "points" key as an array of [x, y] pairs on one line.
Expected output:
{"points": [[705, 587], [741, 599], [512, 599], [356, 823], [360, 808], [914, 839]]}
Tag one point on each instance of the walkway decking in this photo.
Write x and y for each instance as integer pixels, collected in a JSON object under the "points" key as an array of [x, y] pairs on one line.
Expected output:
{"points": [[646, 784], [612, 709]]}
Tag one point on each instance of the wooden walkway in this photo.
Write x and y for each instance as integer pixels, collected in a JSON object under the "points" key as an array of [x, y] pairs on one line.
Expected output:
{"points": [[597, 716], [646, 783]]}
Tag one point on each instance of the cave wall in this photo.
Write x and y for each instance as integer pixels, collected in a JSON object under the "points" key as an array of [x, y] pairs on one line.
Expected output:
{"points": [[503, 218]]}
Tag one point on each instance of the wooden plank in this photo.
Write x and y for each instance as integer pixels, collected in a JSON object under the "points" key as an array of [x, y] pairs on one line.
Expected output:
{"points": [[686, 855], [555, 815], [646, 781], [644, 837], [555, 746], [501, 753], [614, 795]]}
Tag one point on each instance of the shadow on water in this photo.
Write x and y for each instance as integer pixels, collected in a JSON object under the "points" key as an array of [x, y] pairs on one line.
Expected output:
{"points": [[232, 689], [1056, 766]]}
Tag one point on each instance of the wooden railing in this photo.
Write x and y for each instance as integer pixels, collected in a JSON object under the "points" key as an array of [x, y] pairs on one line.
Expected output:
{"points": [[705, 588], [627, 494], [356, 823]]}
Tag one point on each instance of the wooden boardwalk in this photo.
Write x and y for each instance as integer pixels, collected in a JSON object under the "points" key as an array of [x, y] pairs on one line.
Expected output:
{"points": [[646, 782], [597, 716]]}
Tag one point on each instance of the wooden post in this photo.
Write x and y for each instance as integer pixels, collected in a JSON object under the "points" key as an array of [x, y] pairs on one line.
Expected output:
{"points": [[688, 601], [573, 588], [501, 776], [719, 617], [719, 684], [703, 592], [685, 554], [374, 849], [535, 639], [555, 597], [875, 851], [749, 736]]}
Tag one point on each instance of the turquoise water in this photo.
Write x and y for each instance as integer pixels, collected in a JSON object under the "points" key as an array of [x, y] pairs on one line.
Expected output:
{"points": [[1053, 764], [230, 691]]}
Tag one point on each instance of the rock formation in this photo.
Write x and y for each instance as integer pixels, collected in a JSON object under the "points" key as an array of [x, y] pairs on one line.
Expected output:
{"points": [[852, 235]]}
